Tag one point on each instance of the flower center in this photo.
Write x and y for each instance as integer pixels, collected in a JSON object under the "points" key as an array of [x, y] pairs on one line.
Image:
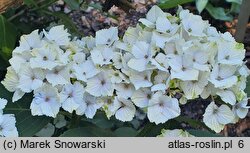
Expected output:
{"points": [[45, 58], [149, 96], [103, 82], [146, 56], [47, 99]]}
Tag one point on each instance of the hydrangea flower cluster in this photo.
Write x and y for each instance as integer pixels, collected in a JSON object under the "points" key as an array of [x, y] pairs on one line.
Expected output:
{"points": [[7, 122], [162, 57]]}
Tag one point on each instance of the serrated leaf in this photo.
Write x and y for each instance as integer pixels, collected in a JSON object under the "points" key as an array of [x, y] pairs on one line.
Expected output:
{"points": [[201, 4], [87, 132], [8, 36], [125, 132], [165, 4], [27, 125], [218, 13]]}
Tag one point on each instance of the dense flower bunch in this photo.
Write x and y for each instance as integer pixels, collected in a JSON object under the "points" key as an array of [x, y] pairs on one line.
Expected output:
{"points": [[159, 64]]}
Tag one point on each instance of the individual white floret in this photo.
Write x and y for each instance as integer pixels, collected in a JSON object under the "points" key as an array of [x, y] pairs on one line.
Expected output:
{"points": [[182, 68], [11, 82], [58, 34], [162, 108], [217, 117], [192, 89], [161, 81], [44, 57], [231, 53], [71, 96], [3, 103], [29, 42], [141, 79], [227, 96], [102, 55], [142, 55], [222, 76], [152, 16], [30, 79], [58, 76], [7, 126], [124, 90], [141, 97], [46, 101], [85, 71], [92, 105], [107, 36], [18, 60], [100, 85], [240, 109], [123, 109]]}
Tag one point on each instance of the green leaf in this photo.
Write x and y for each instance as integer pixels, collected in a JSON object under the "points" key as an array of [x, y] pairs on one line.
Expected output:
{"points": [[8, 36], [67, 21], [200, 133], [3, 65], [218, 13], [191, 122], [201, 4], [30, 3], [27, 125], [165, 4], [152, 130], [235, 8], [102, 121], [234, 1], [125, 132], [87, 132], [73, 4], [247, 90]]}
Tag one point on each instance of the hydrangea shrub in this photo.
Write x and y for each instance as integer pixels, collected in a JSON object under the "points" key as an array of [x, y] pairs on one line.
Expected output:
{"points": [[163, 62]]}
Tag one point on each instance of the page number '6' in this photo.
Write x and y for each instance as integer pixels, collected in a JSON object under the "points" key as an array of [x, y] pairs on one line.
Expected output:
{"points": [[241, 144]]}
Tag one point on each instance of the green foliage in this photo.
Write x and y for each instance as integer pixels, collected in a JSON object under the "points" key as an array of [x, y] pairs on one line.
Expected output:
{"points": [[27, 124], [87, 132], [218, 13], [8, 35], [201, 133], [201, 5], [165, 4], [125, 132]]}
